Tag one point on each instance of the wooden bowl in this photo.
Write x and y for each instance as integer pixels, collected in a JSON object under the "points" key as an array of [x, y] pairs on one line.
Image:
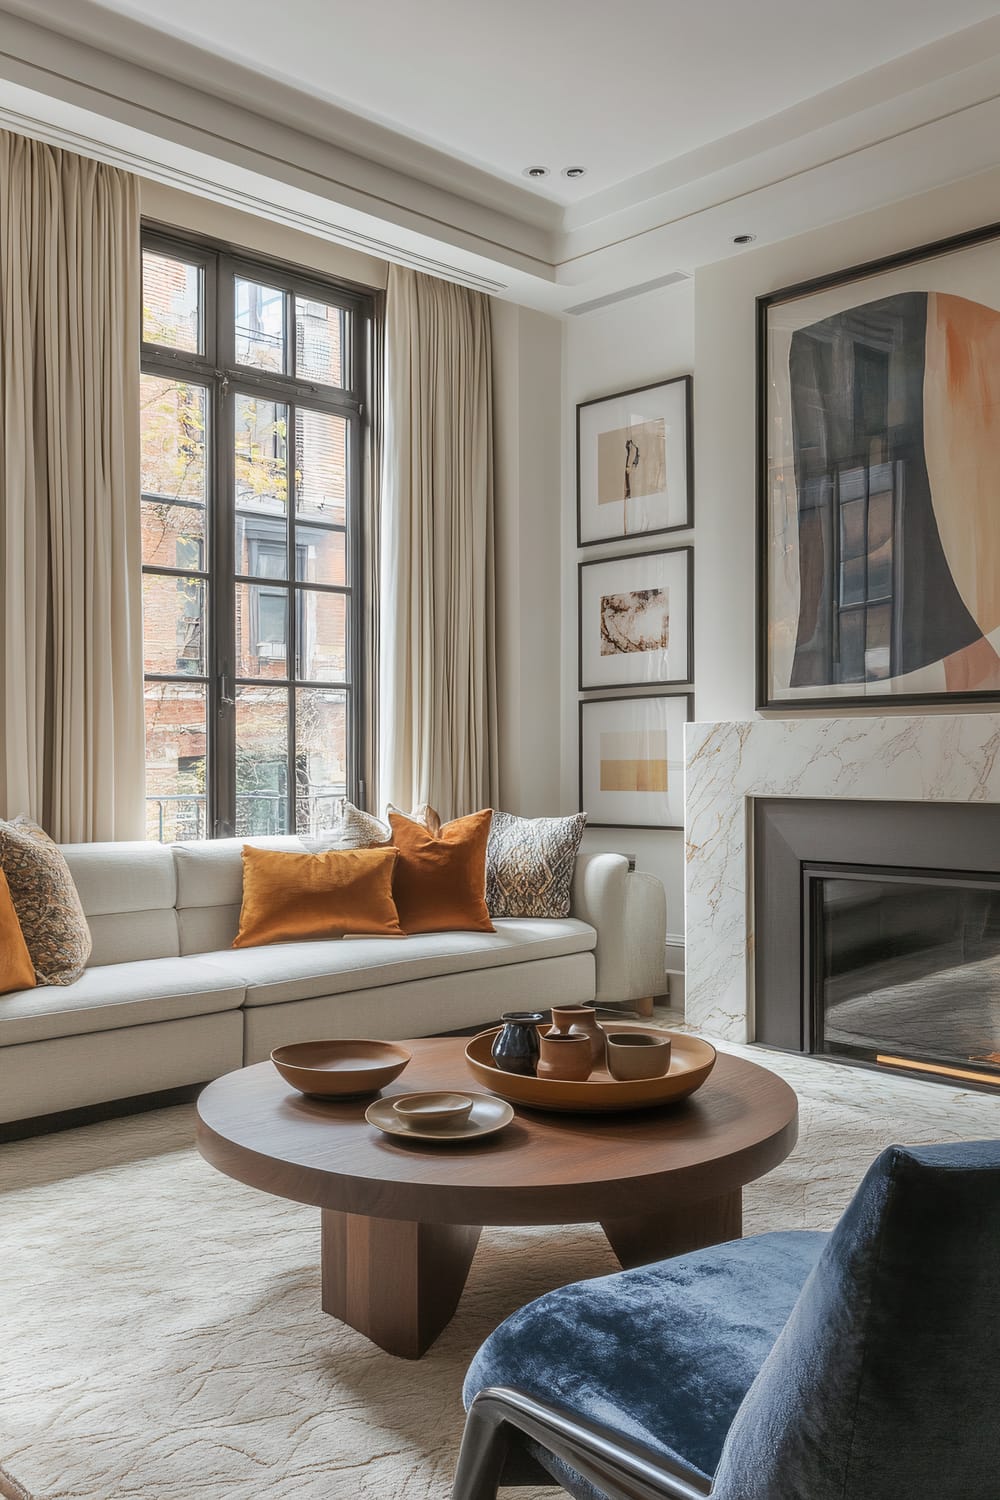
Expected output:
{"points": [[340, 1070], [691, 1061]]}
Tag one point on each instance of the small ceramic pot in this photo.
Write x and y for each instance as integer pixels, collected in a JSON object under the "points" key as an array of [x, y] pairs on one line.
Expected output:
{"points": [[433, 1111], [515, 1048], [577, 1020], [637, 1054], [566, 1056]]}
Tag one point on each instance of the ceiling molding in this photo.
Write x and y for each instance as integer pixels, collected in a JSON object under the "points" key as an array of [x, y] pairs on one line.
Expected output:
{"points": [[81, 77]]}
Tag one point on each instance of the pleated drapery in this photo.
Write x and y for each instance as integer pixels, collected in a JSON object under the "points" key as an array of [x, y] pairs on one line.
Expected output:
{"points": [[71, 742], [437, 676]]}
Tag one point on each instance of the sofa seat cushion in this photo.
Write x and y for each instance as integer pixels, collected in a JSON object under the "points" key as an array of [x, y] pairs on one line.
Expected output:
{"points": [[303, 971], [663, 1354], [111, 995]]}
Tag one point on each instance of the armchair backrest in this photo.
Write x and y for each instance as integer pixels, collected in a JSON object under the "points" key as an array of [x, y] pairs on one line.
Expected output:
{"points": [[885, 1382]]}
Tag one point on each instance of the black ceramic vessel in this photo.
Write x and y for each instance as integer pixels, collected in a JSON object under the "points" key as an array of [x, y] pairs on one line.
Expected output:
{"points": [[515, 1048]]}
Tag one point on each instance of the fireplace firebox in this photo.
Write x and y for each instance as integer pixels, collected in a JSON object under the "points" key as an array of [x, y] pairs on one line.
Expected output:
{"points": [[878, 934]]}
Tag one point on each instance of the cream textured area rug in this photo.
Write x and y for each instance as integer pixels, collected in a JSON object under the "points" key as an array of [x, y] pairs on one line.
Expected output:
{"points": [[161, 1336]]}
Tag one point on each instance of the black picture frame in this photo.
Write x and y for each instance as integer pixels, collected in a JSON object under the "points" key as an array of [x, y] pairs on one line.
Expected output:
{"points": [[631, 701], [686, 382], [626, 557], [886, 701]]}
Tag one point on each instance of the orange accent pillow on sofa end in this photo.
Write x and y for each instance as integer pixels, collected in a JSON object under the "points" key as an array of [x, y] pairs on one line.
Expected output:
{"points": [[17, 972], [289, 897], [440, 880]]}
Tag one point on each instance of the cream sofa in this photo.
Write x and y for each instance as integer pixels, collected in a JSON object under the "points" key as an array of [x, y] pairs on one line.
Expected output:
{"points": [[166, 1001]]}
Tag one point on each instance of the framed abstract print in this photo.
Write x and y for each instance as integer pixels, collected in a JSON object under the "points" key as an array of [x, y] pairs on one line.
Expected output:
{"points": [[632, 760], [634, 468], [636, 619], [879, 482]]}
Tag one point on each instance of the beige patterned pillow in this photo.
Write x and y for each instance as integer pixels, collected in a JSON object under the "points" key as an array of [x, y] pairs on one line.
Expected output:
{"points": [[352, 829], [46, 901], [530, 864]]}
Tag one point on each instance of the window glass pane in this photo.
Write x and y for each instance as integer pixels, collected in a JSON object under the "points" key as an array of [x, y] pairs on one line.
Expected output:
{"points": [[260, 326], [320, 757], [322, 636], [173, 624], [319, 341], [261, 760], [261, 631], [172, 302], [173, 536], [172, 438], [261, 456], [320, 555], [321, 466], [176, 738], [261, 546]]}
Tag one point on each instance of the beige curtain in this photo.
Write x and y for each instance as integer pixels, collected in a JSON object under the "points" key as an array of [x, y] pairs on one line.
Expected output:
{"points": [[71, 742], [437, 702]]}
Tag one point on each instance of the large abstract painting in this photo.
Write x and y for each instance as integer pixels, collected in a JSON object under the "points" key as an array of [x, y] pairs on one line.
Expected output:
{"points": [[880, 482]]}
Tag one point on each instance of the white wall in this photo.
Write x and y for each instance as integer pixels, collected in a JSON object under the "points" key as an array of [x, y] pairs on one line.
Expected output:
{"points": [[724, 413], [629, 344], [251, 232], [527, 348]]}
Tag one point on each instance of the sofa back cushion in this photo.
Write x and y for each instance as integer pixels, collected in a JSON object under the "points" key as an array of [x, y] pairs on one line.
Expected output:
{"points": [[210, 888], [127, 893]]}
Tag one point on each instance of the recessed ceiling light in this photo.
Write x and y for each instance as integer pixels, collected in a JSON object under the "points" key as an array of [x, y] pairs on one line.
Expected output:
{"points": [[744, 239], [574, 171], [535, 172]]}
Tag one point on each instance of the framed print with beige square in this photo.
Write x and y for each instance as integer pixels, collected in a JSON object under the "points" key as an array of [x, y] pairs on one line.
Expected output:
{"points": [[878, 393], [632, 760], [636, 619], [634, 473]]}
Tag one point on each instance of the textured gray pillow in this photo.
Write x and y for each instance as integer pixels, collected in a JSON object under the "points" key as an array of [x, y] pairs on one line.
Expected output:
{"points": [[530, 864]]}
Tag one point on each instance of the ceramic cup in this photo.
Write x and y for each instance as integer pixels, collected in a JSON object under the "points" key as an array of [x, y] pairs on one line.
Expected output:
{"points": [[637, 1054], [433, 1111], [565, 1056]]}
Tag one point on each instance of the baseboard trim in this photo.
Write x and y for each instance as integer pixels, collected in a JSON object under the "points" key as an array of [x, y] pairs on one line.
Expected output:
{"points": [[93, 1114]]}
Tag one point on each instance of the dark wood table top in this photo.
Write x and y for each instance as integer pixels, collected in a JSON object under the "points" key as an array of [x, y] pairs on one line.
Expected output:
{"points": [[542, 1169]]}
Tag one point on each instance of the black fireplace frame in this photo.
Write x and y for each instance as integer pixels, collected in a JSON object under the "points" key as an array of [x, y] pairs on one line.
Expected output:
{"points": [[796, 841]]}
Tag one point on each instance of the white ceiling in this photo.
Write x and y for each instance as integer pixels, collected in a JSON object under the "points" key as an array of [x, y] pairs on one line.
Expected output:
{"points": [[401, 127], [617, 86]]}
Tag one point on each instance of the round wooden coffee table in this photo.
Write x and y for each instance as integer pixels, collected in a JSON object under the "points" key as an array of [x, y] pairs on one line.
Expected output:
{"points": [[401, 1220]]}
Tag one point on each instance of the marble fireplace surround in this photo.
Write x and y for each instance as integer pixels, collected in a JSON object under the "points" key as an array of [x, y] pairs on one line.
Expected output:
{"points": [[931, 758]]}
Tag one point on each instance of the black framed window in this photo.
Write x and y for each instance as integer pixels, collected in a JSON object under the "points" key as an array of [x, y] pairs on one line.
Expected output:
{"points": [[253, 437]]}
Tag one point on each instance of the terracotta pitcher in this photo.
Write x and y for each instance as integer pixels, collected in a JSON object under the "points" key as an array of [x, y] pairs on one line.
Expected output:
{"points": [[580, 1020]]}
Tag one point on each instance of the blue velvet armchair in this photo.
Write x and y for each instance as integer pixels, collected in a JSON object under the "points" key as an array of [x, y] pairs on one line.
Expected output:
{"points": [[859, 1365]]}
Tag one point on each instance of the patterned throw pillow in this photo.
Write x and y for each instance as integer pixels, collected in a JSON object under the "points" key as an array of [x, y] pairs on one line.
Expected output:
{"points": [[46, 901], [530, 864], [352, 829]]}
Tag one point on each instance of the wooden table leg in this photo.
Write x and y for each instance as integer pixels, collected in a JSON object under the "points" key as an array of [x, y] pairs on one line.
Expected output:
{"points": [[650, 1237], [395, 1281]]}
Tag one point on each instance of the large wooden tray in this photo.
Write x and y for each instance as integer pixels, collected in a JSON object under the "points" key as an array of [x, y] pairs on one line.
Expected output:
{"points": [[691, 1061]]}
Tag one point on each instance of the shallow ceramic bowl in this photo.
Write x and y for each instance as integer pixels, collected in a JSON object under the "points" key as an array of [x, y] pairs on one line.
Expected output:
{"points": [[637, 1054], [340, 1070], [434, 1111]]}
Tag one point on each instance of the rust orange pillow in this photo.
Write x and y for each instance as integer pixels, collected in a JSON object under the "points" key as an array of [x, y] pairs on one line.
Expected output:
{"points": [[440, 880], [17, 972], [288, 897]]}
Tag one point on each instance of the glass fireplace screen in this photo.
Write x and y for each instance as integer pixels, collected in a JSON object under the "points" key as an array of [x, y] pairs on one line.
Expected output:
{"points": [[905, 969]]}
